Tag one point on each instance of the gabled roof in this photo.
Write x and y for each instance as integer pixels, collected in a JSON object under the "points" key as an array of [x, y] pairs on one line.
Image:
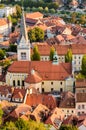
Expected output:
{"points": [[34, 77], [68, 100], [19, 93], [47, 100], [34, 15], [46, 69]]}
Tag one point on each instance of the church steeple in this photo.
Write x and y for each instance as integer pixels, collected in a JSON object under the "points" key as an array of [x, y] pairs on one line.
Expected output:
{"points": [[23, 49], [23, 30]]}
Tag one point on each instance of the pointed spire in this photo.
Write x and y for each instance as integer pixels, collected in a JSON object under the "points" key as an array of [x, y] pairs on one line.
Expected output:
{"points": [[23, 30]]}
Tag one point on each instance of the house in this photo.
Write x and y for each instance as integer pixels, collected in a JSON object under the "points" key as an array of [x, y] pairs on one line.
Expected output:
{"points": [[67, 104], [6, 11], [36, 98], [56, 118], [5, 93], [40, 113], [5, 26], [80, 86], [80, 103], [18, 112], [82, 125], [19, 96]]}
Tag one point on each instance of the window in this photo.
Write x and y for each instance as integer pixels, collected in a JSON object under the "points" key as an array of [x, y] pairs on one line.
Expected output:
{"points": [[67, 111], [13, 82], [18, 83], [42, 83], [22, 82], [23, 56], [42, 90], [61, 89], [52, 89], [79, 106], [74, 57], [72, 111], [83, 106], [51, 83], [61, 83]]}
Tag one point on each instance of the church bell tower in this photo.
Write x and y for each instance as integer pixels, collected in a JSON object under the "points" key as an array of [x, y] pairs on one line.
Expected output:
{"points": [[23, 49]]}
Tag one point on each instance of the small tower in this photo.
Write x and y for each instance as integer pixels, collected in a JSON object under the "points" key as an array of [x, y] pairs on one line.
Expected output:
{"points": [[55, 58], [23, 49]]}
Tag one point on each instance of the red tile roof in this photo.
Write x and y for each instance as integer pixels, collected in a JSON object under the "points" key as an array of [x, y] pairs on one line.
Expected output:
{"points": [[34, 77], [47, 100], [35, 15], [19, 93], [20, 110], [80, 97], [46, 69], [3, 21], [80, 83], [68, 100], [44, 50]]}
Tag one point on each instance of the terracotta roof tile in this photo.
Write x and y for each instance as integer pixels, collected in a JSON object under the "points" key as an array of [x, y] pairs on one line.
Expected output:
{"points": [[35, 15], [33, 77], [47, 100], [80, 83], [46, 69], [68, 100], [80, 97]]}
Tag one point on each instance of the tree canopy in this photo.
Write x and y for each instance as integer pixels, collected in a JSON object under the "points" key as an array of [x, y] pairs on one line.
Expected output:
{"points": [[2, 54], [84, 65], [36, 55], [68, 56], [52, 51], [21, 124], [68, 127], [36, 35]]}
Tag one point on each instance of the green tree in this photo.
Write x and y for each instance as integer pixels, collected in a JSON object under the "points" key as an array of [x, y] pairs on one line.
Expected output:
{"points": [[1, 114], [36, 34], [18, 11], [46, 10], [12, 48], [68, 127], [36, 55], [84, 65], [40, 9], [73, 17], [52, 10], [2, 54], [68, 56], [52, 51], [9, 126]]}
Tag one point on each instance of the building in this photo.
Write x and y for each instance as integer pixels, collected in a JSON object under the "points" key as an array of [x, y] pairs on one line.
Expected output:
{"points": [[77, 52], [67, 104], [80, 103], [6, 11], [44, 76], [5, 26]]}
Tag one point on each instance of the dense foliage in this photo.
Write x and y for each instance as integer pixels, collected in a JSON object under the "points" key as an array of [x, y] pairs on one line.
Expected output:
{"points": [[52, 51], [36, 55], [36, 35], [23, 125], [2, 54], [68, 127], [84, 65], [68, 56]]}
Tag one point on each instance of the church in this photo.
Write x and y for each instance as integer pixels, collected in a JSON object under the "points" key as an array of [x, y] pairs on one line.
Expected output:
{"points": [[45, 76]]}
